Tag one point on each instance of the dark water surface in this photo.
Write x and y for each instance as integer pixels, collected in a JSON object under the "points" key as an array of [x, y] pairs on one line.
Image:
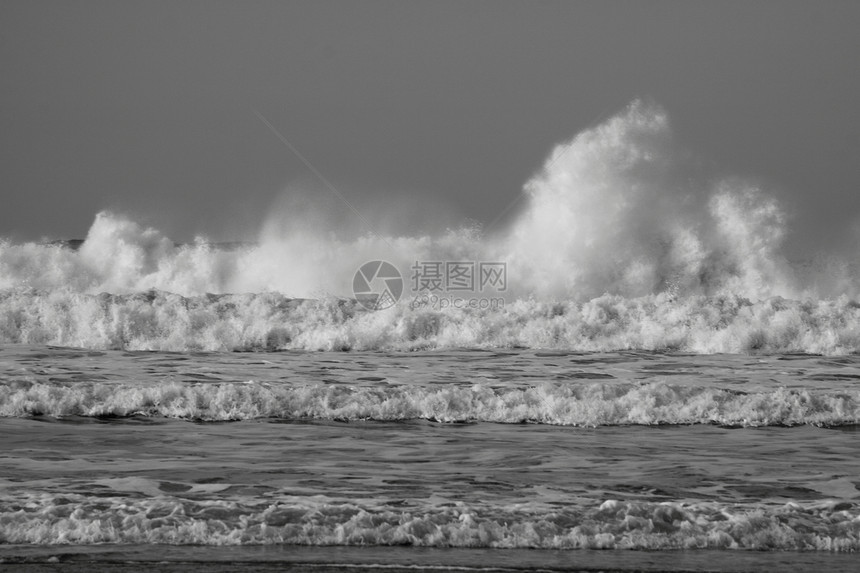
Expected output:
{"points": [[469, 459]]}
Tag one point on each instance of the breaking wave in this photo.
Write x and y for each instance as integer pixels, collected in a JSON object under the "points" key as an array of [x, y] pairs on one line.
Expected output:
{"points": [[623, 243], [556, 403], [76, 519], [155, 320]]}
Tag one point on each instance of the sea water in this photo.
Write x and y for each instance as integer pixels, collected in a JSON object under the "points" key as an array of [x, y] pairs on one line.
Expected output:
{"points": [[497, 449], [663, 389]]}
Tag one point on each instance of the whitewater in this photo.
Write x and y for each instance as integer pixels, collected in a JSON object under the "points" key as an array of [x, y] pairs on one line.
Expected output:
{"points": [[658, 376]]}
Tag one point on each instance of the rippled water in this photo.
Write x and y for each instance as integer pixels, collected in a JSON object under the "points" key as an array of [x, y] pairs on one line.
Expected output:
{"points": [[447, 449]]}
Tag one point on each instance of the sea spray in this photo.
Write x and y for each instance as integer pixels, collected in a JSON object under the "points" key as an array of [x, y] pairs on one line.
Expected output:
{"points": [[623, 243], [615, 211]]}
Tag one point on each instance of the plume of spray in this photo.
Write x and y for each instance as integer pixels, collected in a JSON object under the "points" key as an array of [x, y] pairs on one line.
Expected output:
{"points": [[311, 246], [118, 256], [623, 243], [617, 210], [613, 212]]}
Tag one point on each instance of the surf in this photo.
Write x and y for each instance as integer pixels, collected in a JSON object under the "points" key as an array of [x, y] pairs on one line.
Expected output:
{"points": [[624, 242]]}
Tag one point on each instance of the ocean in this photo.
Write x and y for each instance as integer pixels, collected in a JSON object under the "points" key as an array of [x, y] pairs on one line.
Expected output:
{"points": [[631, 377], [115, 454]]}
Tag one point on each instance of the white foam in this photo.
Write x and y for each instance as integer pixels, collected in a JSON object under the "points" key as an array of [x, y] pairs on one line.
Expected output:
{"points": [[619, 209], [622, 245], [162, 321], [74, 519], [557, 403]]}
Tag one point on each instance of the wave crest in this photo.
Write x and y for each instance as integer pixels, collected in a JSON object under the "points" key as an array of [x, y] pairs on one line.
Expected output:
{"points": [[74, 519], [155, 320], [573, 404]]}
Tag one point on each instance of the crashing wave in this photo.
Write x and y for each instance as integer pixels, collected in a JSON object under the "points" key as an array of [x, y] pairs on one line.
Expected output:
{"points": [[74, 519], [557, 403]]}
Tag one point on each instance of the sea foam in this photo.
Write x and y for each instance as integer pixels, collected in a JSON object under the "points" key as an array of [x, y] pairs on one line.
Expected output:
{"points": [[156, 320], [557, 403], [624, 242], [76, 519]]}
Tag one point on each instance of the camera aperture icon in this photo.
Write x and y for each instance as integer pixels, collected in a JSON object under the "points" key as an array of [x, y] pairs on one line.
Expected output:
{"points": [[377, 285]]}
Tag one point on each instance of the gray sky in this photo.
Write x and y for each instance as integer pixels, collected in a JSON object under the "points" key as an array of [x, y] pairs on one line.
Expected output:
{"points": [[146, 107]]}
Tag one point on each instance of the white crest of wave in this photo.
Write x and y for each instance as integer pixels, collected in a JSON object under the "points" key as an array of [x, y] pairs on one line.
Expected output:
{"points": [[566, 403], [120, 256], [613, 212], [28, 517], [617, 210]]}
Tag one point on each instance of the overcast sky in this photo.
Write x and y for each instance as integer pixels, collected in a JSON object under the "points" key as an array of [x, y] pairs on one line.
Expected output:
{"points": [[147, 107]]}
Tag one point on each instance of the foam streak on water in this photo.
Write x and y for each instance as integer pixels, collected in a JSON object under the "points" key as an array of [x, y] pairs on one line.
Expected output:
{"points": [[579, 404], [611, 525], [513, 387]]}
